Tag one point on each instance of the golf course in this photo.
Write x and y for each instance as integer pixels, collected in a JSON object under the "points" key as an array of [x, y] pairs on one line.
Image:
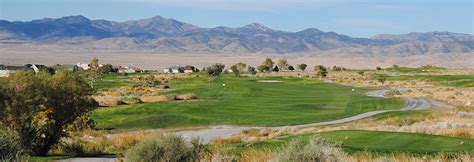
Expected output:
{"points": [[249, 101]]}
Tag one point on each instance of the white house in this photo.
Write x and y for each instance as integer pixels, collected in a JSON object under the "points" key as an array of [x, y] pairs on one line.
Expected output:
{"points": [[83, 66], [7, 70], [173, 69]]}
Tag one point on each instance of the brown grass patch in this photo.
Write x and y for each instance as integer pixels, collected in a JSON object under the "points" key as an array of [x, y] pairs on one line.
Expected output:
{"points": [[230, 140]]}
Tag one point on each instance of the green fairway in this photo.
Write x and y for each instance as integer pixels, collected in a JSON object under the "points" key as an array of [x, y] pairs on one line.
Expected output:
{"points": [[378, 141], [447, 80], [415, 69], [245, 101], [113, 80], [399, 142]]}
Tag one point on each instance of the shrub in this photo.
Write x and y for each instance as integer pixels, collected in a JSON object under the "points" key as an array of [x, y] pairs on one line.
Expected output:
{"points": [[316, 149], [40, 106], [302, 67], [10, 147], [161, 148], [393, 92], [262, 68], [71, 147], [251, 70], [75, 147]]}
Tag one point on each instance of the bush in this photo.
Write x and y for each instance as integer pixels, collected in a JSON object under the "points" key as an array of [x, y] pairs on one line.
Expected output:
{"points": [[393, 92], [316, 149], [10, 147], [72, 147], [75, 147], [41, 106], [165, 148]]}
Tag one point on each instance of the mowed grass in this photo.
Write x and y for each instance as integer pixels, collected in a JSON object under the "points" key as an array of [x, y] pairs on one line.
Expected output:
{"points": [[230, 100], [415, 69], [354, 141], [114, 80], [447, 80]]}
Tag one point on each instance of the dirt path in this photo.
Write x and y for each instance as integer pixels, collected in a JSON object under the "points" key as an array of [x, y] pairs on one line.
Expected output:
{"points": [[210, 133]]}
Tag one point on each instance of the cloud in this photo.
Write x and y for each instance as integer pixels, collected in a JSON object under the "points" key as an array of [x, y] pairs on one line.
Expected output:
{"points": [[246, 5]]}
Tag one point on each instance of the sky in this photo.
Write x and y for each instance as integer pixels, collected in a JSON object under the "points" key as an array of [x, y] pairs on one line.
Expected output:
{"points": [[359, 18]]}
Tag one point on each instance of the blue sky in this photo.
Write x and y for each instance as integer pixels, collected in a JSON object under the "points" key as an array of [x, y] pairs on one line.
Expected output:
{"points": [[361, 18]]}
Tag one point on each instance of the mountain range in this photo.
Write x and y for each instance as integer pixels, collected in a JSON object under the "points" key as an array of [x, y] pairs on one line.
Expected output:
{"points": [[163, 35]]}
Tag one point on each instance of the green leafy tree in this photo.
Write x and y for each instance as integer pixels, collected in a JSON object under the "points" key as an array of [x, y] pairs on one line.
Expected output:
{"points": [[262, 68], [40, 107], [106, 69], [238, 68], [215, 70], [302, 67]]}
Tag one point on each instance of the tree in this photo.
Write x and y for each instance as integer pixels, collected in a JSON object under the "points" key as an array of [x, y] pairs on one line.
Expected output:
{"points": [[215, 70], [268, 63], [262, 68], [381, 78], [40, 107], [302, 67], [94, 71], [321, 71], [395, 67], [276, 69], [378, 68], [238, 68], [360, 73], [291, 68], [106, 69], [337, 68], [282, 63], [251, 70], [94, 63]]}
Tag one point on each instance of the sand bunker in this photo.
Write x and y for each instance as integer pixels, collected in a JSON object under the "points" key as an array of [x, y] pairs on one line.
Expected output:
{"points": [[269, 81]]}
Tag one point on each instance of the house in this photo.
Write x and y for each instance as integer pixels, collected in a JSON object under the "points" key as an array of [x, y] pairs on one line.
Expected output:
{"points": [[136, 69], [65, 66], [37, 68], [174, 69], [83, 66], [7, 70], [189, 69], [3, 71], [127, 69]]}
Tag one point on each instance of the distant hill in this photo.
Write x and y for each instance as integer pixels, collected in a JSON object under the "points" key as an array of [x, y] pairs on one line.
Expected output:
{"points": [[164, 35]]}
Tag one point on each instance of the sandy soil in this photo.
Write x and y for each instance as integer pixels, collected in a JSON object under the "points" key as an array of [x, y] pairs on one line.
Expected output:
{"points": [[50, 55]]}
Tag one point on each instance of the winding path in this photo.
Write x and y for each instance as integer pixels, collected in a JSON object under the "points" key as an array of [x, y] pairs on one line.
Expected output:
{"points": [[210, 133]]}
